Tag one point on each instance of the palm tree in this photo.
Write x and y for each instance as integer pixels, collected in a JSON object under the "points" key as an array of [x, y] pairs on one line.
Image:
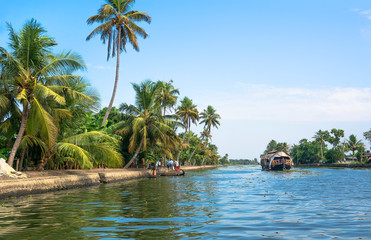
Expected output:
{"points": [[321, 137], [30, 68], [145, 123], [166, 95], [210, 119], [88, 149], [354, 144], [117, 27], [205, 135], [188, 113]]}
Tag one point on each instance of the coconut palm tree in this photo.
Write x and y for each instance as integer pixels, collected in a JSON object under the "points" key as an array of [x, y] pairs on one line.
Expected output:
{"points": [[88, 149], [188, 114], [30, 68], [145, 123], [354, 144], [166, 95], [210, 119], [117, 27], [321, 137]]}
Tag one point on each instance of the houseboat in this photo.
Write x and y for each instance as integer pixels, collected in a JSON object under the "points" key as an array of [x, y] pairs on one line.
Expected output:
{"points": [[276, 160]]}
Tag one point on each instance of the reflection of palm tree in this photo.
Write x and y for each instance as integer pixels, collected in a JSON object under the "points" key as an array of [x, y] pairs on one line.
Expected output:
{"points": [[354, 144], [33, 74], [321, 137], [145, 123], [188, 113], [117, 28]]}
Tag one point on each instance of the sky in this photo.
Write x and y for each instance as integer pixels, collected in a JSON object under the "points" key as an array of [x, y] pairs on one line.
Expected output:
{"points": [[273, 69]]}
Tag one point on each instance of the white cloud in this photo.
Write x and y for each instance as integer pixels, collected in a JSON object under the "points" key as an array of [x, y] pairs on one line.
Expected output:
{"points": [[366, 13], [262, 102], [99, 67]]}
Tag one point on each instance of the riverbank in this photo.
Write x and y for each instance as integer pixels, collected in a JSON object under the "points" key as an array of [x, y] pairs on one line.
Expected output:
{"points": [[335, 165], [53, 180]]}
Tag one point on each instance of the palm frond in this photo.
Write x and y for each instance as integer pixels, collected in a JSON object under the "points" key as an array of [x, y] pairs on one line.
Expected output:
{"points": [[41, 122], [81, 156], [44, 92]]}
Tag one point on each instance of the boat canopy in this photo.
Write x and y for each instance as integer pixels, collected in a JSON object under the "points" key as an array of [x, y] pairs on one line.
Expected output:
{"points": [[267, 159]]}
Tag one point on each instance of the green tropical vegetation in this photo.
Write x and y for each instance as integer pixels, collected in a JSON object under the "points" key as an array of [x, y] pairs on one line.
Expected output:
{"points": [[50, 116], [326, 147]]}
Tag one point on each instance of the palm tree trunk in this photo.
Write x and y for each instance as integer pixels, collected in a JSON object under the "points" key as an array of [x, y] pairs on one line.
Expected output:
{"points": [[22, 158], [19, 135], [189, 129], [116, 80], [44, 160], [135, 154], [181, 150], [321, 152], [194, 151]]}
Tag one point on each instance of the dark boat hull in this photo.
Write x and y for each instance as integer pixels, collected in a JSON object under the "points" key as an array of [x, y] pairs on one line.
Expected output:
{"points": [[280, 167]]}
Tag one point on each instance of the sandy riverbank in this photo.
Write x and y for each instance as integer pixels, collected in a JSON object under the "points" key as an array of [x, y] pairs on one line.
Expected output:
{"points": [[46, 181]]}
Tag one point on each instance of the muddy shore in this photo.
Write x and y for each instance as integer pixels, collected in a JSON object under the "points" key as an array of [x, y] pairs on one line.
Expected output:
{"points": [[51, 180]]}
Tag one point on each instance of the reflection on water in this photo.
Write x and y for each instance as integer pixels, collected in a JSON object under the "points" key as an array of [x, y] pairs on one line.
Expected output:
{"points": [[238, 202]]}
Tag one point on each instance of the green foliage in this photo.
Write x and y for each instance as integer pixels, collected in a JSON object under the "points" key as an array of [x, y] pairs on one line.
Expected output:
{"points": [[273, 145], [305, 152], [333, 155], [4, 152]]}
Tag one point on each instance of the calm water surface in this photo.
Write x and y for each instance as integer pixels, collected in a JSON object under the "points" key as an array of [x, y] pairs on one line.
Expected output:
{"points": [[237, 202]]}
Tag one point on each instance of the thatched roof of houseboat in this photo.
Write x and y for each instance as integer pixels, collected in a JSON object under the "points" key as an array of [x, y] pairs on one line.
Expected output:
{"points": [[275, 153]]}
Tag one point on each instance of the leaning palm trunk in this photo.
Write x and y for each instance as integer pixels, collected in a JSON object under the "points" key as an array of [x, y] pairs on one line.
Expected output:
{"points": [[181, 144], [19, 135], [190, 158], [135, 154], [116, 80]]}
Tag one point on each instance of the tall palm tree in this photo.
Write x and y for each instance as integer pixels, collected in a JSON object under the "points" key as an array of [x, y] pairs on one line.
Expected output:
{"points": [[117, 27], [145, 123], [321, 137], [210, 119], [30, 68], [188, 113], [353, 143], [166, 95]]}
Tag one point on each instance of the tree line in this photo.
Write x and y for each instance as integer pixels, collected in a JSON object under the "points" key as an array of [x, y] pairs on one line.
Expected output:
{"points": [[50, 118], [328, 146]]}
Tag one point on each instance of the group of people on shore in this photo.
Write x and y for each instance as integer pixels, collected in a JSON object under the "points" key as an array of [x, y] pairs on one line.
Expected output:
{"points": [[170, 164]]}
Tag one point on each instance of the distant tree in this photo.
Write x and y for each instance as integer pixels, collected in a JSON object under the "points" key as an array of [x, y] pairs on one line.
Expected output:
{"points": [[333, 155], [321, 137], [224, 159], [166, 95], [354, 144], [272, 145], [305, 152], [367, 135], [335, 137]]}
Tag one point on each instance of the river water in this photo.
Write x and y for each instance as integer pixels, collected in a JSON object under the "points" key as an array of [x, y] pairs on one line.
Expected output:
{"points": [[235, 202]]}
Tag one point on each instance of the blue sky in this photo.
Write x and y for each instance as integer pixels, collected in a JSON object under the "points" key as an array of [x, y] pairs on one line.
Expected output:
{"points": [[273, 69]]}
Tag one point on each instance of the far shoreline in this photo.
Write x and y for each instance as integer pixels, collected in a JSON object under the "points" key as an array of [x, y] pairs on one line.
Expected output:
{"points": [[334, 165]]}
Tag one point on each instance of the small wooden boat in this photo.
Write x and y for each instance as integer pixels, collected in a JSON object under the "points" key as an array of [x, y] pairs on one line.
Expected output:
{"points": [[276, 160], [163, 171]]}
